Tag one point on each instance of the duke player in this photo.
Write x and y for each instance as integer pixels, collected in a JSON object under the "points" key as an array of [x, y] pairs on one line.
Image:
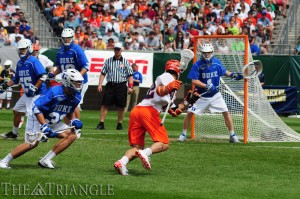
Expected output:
{"points": [[46, 118], [71, 55], [205, 75], [31, 74], [145, 117]]}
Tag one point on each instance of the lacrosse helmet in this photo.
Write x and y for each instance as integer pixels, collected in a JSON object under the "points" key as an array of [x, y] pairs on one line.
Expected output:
{"points": [[72, 79], [8, 64], [207, 48], [24, 48], [173, 65], [66, 34]]}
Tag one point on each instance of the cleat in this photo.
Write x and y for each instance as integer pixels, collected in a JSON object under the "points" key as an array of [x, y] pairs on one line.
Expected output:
{"points": [[46, 163], [119, 126], [234, 139], [121, 168], [144, 158], [9, 135], [182, 138], [4, 165], [100, 127]]}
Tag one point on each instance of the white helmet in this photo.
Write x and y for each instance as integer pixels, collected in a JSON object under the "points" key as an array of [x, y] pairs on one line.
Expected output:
{"points": [[71, 78], [24, 44], [67, 33], [8, 64], [206, 48]]}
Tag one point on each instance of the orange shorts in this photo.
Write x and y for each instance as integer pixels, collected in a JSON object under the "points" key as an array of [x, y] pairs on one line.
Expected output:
{"points": [[142, 119]]}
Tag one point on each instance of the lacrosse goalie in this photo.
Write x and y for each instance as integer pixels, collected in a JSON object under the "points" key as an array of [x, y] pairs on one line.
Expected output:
{"points": [[46, 120], [205, 75]]}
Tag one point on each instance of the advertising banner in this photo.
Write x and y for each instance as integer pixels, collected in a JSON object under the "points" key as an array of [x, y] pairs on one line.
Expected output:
{"points": [[143, 60]]}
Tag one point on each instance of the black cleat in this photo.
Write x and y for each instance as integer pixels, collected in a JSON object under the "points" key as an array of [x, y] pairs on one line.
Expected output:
{"points": [[119, 126], [9, 135], [100, 126]]}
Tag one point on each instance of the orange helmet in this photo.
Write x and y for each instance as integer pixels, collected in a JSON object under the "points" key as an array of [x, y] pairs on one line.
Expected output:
{"points": [[173, 65], [36, 47]]}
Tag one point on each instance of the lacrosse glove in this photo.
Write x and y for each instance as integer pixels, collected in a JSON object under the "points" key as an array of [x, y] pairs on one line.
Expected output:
{"points": [[236, 76], [47, 131]]}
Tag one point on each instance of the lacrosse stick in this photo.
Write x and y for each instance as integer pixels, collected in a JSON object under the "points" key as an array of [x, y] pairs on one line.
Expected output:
{"points": [[252, 69], [186, 56], [32, 138]]}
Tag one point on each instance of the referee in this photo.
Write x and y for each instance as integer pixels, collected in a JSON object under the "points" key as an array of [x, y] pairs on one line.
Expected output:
{"points": [[117, 71]]}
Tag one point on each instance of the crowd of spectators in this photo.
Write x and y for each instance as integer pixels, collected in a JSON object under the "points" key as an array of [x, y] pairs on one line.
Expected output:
{"points": [[158, 25], [13, 24]]}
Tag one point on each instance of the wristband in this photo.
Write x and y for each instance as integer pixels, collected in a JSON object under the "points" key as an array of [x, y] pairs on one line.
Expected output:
{"points": [[130, 85]]}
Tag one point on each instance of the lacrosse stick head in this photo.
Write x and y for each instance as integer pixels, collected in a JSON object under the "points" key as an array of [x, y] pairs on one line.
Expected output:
{"points": [[33, 138], [186, 56], [252, 69]]}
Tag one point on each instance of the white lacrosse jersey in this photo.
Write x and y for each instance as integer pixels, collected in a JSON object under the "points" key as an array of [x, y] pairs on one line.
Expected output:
{"points": [[153, 99], [46, 62]]}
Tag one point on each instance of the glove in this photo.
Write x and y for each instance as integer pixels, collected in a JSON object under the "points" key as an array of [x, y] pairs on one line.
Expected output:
{"points": [[3, 87], [47, 131], [31, 91], [236, 76], [174, 85], [76, 123], [210, 88], [51, 75], [191, 97], [175, 111]]}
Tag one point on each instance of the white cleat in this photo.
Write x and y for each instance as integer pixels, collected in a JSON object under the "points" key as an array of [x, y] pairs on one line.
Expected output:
{"points": [[144, 158], [234, 139], [121, 168], [46, 163], [182, 138], [4, 165]]}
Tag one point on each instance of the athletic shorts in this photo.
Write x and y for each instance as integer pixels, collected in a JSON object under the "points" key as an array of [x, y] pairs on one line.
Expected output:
{"points": [[6, 95], [115, 94], [215, 104], [24, 104], [142, 119]]}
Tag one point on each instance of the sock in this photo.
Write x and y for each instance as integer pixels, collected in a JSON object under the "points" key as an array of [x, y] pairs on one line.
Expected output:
{"points": [[15, 130], [231, 132], [184, 132], [0, 105], [7, 158], [124, 160], [102, 123], [147, 151], [49, 155], [7, 105]]}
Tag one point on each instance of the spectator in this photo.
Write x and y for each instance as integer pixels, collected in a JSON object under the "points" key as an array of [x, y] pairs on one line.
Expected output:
{"points": [[87, 11], [113, 26], [6, 74], [181, 11], [150, 12], [5, 20], [124, 12], [254, 47], [109, 35], [94, 21], [57, 13], [4, 11], [118, 72], [130, 4], [145, 22], [12, 37], [3, 37], [110, 44], [48, 10], [86, 43], [71, 22], [10, 27], [132, 99], [179, 41], [75, 7], [99, 44], [151, 42], [24, 26]]}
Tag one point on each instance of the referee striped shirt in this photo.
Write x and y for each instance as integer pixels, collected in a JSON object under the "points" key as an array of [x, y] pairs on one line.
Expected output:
{"points": [[117, 70]]}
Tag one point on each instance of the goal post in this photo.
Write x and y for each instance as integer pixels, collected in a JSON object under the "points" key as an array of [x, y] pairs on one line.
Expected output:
{"points": [[253, 117]]}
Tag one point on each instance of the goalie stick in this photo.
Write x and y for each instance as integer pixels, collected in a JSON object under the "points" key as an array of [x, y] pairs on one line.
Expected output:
{"points": [[186, 56]]}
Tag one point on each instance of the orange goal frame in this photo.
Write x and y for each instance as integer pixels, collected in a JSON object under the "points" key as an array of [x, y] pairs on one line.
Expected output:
{"points": [[246, 61]]}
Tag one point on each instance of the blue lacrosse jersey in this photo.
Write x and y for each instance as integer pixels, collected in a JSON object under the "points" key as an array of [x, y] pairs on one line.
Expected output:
{"points": [[55, 104], [73, 57], [137, 76], [29, 72], [207, 72]]}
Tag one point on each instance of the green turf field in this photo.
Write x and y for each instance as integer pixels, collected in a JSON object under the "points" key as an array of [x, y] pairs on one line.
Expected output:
{"points": [[188, 170]]}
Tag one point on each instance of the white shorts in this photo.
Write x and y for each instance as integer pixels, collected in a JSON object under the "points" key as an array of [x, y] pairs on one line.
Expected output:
{"points": [[24, 104], [33, 125], [215, 104], [6, 95], [84, 89]]}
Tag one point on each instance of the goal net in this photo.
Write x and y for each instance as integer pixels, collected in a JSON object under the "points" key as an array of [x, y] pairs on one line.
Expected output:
{"points": [[253, 117]]}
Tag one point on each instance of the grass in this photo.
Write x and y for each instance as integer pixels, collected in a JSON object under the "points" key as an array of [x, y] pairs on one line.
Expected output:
{"points": [[188, 170]]}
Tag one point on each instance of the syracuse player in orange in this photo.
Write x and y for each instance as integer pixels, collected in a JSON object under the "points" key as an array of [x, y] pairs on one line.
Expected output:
{"points": [[145, 117]]}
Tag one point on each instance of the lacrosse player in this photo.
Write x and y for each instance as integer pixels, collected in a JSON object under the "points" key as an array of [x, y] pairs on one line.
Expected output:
{"points": [[71, 55], [6, 75], [31, 74], [145, 117], [46, 120], [205, 75]]}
